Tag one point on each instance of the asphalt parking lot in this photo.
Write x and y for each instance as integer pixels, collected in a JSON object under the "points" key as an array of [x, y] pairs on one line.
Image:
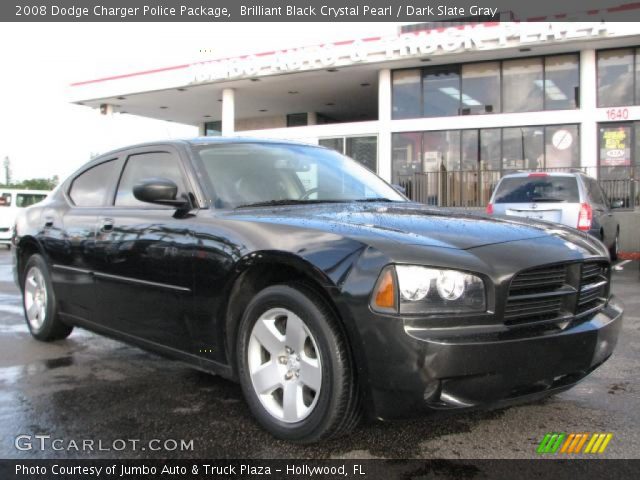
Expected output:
{"points": [[89, 387]]}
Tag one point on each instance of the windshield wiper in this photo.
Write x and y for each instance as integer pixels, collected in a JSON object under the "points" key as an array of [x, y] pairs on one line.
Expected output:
{"points": [[287, 201], [374, 199]]}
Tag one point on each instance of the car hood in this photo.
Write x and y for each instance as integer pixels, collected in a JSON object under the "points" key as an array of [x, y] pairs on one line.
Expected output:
{"points": [[405, 223]]}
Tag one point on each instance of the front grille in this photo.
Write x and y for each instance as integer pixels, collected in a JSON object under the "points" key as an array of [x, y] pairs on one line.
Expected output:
{"points": [[555, 293]]}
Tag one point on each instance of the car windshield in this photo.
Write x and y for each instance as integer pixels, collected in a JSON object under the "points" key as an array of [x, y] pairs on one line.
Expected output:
{"points": [[537, 189], [255, 174]]}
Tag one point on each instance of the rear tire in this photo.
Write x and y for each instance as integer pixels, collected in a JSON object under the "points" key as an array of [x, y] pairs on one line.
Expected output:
{"points": [[613, 250], [294, 366], [39, 302]]}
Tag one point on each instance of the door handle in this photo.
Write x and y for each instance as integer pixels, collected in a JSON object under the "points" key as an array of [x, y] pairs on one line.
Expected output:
{"points": [[107, 225], [48, 222]]}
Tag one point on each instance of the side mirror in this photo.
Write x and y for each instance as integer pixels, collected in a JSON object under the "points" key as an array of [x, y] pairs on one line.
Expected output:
{"points": [[617, 204], [160, 191], [399, 189]]}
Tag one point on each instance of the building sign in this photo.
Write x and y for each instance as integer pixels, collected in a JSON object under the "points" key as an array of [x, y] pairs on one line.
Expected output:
{"points": [[562, 139], [418, 44], [615, 148]]}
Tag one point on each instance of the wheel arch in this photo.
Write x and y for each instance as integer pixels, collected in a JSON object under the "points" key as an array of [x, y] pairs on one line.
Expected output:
{"points": [[263, 269], [26, 247]]}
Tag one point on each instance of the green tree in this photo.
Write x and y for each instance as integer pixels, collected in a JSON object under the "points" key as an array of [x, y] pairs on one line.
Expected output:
{"points": [[34, 183], [39, 183]]}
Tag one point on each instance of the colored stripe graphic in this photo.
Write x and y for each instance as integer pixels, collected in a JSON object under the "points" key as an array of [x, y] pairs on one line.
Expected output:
{"points": [[551, 443], [572, 443]]}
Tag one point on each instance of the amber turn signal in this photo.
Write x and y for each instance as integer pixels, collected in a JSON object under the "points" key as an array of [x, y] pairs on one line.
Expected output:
{"points": [[385, 295]]}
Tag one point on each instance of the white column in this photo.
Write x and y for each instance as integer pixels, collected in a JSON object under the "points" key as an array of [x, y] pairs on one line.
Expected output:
{"points": [[588, 125], [384, 122], [228, 112]]}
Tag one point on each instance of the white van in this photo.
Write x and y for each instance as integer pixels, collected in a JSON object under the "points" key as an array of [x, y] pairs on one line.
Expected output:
{"points": [[10, 202]]}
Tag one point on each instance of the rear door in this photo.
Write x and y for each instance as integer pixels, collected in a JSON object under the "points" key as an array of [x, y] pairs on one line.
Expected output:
{"points": [[541, 196], [602, 216], [68, 234], [144, 279]]}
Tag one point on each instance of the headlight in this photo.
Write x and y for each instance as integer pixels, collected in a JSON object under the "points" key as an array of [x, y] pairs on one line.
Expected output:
{"points": [[424, 290]]}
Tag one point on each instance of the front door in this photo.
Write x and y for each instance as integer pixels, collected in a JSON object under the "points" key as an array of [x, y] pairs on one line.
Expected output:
{"points": [[144, 280]]}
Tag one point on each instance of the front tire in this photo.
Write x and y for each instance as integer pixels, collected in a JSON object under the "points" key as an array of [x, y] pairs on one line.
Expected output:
{"points": [[39, 301], [294, 366]]}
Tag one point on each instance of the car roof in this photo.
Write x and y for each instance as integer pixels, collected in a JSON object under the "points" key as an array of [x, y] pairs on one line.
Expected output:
{"points": [[199, 141], [551, 174]]}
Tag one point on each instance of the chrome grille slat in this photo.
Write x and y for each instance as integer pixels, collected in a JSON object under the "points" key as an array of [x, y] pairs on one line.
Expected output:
{"points": [[593, 286]]}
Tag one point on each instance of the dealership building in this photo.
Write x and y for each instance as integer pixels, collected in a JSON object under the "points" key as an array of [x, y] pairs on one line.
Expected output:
{"points": [[443, 109]]}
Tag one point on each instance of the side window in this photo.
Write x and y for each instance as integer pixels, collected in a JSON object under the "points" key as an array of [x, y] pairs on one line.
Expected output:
{"points": [[147, 165], [5, 200], [604, 200], [595, 193], [24, 200], [89, 189]]}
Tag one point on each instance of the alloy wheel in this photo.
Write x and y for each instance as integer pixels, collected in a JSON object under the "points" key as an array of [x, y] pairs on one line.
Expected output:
{"points": [[35, 298], [284, 365]]}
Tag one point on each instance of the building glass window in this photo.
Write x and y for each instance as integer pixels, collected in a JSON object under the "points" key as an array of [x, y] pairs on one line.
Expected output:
{"points": [[520, 85], [480, 88], [470, 149], [637, 144], [362, 149], [336, 144], [441, 91], [561, 82], [562, 146], [469, 175], [407, 96], [522, 82], [615, 77], [637, 76], [618, 152], [441, 151], [213, 129], [405, 155], [297, 119], [523, 148], [462, 167], [490, 149]]}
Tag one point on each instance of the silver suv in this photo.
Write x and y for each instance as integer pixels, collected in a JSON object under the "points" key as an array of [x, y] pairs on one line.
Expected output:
{"points": [[572, 199]]}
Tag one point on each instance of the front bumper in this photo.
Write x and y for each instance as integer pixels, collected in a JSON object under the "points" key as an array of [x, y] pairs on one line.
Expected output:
{"points": [[410, 371]]}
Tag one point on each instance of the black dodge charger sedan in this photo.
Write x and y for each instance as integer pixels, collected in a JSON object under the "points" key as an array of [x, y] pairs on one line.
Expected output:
{"points": [[314, 283]]}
